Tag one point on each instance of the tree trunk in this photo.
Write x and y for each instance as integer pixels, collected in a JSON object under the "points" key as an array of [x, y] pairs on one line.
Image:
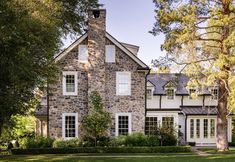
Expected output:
{"points": [[222, 123]]}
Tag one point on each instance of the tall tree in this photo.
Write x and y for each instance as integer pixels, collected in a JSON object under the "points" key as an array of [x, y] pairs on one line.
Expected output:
{"points": [[30, 35], [200, 36]]}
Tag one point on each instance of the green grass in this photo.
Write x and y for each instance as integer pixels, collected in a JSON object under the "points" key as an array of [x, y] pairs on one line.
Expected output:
{"points": [[124, 158], [214, 151]]}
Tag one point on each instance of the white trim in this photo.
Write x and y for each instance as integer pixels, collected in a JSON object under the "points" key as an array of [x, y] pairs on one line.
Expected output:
{"points": [[117, 83], [79, 53], [63, 125], [75, 73], [71, 47], [129, 122], [107, 57], [119, 45]]}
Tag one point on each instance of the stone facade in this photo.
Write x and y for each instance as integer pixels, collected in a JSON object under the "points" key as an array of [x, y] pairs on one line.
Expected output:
{"points": [[98, 75]]}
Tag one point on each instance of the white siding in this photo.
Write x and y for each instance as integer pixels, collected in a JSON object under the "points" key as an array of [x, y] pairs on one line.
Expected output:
{"points": [[153, 103], [210, 102], [172, 104], [193, 102]]}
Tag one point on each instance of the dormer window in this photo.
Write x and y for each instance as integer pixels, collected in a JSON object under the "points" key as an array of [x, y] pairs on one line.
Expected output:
{"points": [[149, 94], [170, 90], [170, 93], [191, 92], [214, 93]]}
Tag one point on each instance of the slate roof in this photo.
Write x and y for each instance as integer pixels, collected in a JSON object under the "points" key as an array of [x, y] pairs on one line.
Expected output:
{"points": [[199, 110], [179, 80]]}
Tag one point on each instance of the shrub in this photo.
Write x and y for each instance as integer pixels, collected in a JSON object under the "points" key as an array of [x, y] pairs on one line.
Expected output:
{"points": [[59, 143], [153, 141], [37, 142], [118, 141], [136, 139], [160, 149], [192, 143]]}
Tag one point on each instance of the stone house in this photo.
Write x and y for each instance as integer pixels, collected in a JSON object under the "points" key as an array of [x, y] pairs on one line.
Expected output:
{"points": [[95, 61]]}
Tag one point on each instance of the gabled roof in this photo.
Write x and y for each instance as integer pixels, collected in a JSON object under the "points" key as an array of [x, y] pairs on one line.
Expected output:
{"points": [[180, 81], [113, 40]]}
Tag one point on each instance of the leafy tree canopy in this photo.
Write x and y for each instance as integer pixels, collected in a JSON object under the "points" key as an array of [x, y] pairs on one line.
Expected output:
{"points": [[30, 35], [200, 36]]}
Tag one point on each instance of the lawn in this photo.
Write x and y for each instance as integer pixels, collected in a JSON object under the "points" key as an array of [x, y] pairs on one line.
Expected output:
{"points": [[123, 158]]}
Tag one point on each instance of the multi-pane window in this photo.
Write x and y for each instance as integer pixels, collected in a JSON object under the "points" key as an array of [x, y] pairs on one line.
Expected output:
{"points": [[205, 124], [198, 128], [109, 53], [150, 125], [191, 92], [83, 53], [191, 128], [214, 93], [123, 124], [69, 83], [70, 126], [212, 127], [170, 93], [123, 83], [168, 122], [149, 94]]}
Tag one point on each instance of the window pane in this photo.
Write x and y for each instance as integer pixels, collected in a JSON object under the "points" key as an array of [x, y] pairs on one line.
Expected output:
{"points": [[70, 83], [191, 91], [123, 83], [191, 128], [214, 93], [70, 126], [212, 124], [198, 128], [149, 93], [123, 126], [168, 122], [205, 128], [170, 94], [110, 53], [151, 125], [83, 53]]}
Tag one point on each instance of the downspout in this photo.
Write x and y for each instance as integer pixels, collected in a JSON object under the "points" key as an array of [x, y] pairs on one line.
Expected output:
{"points": [[203, 101], [47, 108], [160, 102]]}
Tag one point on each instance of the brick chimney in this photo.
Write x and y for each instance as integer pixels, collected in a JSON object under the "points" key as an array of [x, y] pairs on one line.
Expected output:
{"points": [[96, 51]]}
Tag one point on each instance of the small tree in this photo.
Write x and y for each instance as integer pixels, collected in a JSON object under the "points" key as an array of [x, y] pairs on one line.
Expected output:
{"points": [[96, 123]]}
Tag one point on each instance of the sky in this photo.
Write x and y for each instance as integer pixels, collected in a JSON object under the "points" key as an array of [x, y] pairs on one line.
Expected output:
{"points": [[130, 21]]}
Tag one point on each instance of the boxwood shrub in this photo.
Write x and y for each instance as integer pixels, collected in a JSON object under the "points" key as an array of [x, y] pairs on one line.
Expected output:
{"points": [[160, 149]]}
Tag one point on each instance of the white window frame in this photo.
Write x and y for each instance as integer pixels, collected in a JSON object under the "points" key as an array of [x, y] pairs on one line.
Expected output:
{"points": [[173, 97], [117, 83], [151, 93], [110, 58], [190, 97], [63, 125], [212, 96], [117, 122], [79, 53], [75, 81]]}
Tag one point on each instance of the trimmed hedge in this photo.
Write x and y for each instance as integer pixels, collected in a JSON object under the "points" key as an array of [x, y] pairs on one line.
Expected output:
{"points": [[160, 149]]}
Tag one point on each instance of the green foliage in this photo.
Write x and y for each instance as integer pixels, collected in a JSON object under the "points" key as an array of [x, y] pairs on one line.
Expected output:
{"points": [[163, 149], [96, 123], [18, 127], [59, 143], [30, 36], [36, 142]]}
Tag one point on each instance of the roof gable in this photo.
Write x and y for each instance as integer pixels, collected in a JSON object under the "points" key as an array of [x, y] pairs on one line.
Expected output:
{"points": [[112, 39]]}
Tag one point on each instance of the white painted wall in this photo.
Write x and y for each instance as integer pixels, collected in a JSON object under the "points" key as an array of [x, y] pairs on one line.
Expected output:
{"points": [[210, 102], [172, 104], [193, 102], [182, 123], [153, 103]]}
